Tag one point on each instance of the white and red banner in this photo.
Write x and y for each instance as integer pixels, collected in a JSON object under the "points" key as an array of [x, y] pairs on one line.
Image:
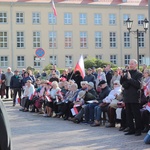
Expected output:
{"points": [[54, 8], [74, 111], [80, 66]]}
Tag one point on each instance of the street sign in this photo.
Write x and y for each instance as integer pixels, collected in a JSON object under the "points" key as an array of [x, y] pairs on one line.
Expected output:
{"points": [[39, 52], [39, 59]]}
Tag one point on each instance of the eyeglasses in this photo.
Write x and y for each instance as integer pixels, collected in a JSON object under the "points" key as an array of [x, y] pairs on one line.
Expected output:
{"points": [[115, 84]]}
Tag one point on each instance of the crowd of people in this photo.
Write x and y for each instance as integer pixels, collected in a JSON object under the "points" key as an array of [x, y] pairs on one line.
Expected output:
{"points": [[121, 95]]}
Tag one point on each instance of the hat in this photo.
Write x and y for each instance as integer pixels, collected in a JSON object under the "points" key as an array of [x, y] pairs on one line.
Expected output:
{"points": [[102, 82], [63, 79], [91, 84], [84, 82], [81, 94], [89, 69], [9, 68], [117, 82], [16, 70]]}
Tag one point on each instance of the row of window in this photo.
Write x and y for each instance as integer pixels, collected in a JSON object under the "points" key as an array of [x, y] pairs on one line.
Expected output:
{"points": [[68, 18], [68, 60], [68, 39]]}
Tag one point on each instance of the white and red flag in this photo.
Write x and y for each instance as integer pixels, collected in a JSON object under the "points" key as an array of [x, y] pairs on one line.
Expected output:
{"points": [[54, 8], [80, 66]]}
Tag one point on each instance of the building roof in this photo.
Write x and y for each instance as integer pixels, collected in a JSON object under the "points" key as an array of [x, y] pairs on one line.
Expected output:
{"points": [[96, 2]]}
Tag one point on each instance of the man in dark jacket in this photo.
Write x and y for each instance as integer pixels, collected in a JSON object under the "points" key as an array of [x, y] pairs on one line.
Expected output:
{"points": [[131, 82], [16, 85], [89, 77]]}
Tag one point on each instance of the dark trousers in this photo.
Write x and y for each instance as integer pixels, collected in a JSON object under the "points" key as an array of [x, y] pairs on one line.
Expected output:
{"points": [[123, 118], [133, 112], [111, 115], [15, 91], [7, 92], [145, 118]]}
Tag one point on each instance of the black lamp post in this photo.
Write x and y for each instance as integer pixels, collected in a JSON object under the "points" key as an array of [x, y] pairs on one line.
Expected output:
{"points": [[129, 26]]}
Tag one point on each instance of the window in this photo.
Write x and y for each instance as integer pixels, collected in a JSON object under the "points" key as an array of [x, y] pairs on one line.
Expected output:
{"points": [[140, 19], [68, 39], [20, 61], [112, 19], [141, 59], [97, 19], [113, 59], [37, 63], [68, 61], [126, 39], [67, 18], [83, 40], [127, 59], [83, 19], [36, 40], [51, 18], [85, 56], [3, 17], [19, 18], [20, 39], [3, 39], [98, 39], [112, 37], [53, 60], [141, 39], [125, 18], [3, 61], [52, 40], [98, 57], [35, 18]]}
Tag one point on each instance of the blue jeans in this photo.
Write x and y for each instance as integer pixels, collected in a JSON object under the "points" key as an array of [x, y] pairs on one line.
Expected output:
{"points": [[97, 113], [147, 139], [89, 111]]}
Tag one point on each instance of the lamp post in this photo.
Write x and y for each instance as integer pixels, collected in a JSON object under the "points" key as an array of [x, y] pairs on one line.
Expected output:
{"points": [[129, 26]]}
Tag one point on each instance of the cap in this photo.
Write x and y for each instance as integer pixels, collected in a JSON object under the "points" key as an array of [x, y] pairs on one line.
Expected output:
{"points": [[102, 82], [89, 69], [91, 84], [81, 94]]}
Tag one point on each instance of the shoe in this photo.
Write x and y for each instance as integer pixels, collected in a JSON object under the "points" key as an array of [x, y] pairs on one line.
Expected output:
{"points": [[95, 125], [45, 115], [126, 129], [32, 111], [66, 118], [137, 133], [26, 110], [60, 114], [110, 125], [130, 133], [146, 129], [85, 122], [122, 128], [76, 120], [14, 105], [21, 109]]}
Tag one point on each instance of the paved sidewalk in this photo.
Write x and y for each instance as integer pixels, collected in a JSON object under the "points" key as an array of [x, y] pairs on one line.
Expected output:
{"points": [[31, 131]]}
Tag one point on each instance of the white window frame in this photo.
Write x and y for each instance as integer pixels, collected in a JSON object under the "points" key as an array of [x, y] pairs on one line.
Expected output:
{"points": [[3, 17], [51, 59], [67, 18], [36, 39], [4, 62], [20, 61], [51, 18], [68, 39], [98, 57], [112, 19], [141, 40], [37, 63], [83, 39], [97, 19], [125, 18], [112, 39], [19, 17], [140, 18], [36, 18], [68, 60], [83, 18], [127, 58], [20, 39], [113, 59], [52, 39], [3, 39], [127, 40], [141, 59], [98, 39]]}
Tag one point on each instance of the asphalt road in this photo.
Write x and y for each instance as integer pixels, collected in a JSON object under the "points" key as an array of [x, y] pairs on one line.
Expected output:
{"points": [[31, 131]]}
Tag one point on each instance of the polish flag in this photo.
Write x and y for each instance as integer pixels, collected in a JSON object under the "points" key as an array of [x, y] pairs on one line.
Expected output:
{"points": [[80, 66], [54, 9], [74, 111]]}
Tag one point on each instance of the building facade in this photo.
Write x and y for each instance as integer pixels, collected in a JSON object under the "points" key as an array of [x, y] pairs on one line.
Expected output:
{"points": [[94, 28]]}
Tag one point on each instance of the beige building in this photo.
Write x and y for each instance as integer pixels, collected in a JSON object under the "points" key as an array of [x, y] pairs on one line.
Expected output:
{"points": [[94, 28]]}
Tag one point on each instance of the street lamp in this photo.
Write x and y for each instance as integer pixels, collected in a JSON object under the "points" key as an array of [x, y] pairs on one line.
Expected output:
{"points": [[129, 26]]}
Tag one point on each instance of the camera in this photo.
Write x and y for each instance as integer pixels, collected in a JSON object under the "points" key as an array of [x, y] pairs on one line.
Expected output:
{"points": [[125, 71]]}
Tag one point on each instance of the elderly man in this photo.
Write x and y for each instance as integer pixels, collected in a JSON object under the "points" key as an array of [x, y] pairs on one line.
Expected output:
{"points": [[8, 76], [131, 82]]}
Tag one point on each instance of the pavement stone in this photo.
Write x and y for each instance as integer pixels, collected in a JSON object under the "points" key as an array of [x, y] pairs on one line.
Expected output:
{"points": [[31, 131]]}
